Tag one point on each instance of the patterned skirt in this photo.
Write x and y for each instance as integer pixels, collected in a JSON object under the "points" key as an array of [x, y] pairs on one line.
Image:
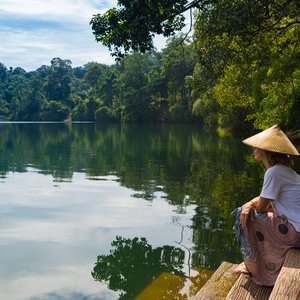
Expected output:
{"points": [[264, 244]]}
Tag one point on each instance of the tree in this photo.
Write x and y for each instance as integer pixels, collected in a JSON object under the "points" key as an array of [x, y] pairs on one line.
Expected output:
{"points": [[34, 100], [86, 109], [107, 88], [54, 111], [106, 114], [237, 53], [94, 74], [58, 80], [4, 109], [134, 93], [237, 42], [178, 61], [16, 93], [133, 25], [3, 77]]}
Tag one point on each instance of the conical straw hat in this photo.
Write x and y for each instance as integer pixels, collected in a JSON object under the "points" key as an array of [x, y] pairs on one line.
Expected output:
{"points": [[272, 139]]}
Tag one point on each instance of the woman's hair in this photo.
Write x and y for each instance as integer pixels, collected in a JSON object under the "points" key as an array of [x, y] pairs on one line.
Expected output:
{"points": [[279, 158]]}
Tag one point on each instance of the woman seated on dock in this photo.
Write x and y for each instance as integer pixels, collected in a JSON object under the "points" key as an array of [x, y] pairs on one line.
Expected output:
{"points": [[268, 225]]}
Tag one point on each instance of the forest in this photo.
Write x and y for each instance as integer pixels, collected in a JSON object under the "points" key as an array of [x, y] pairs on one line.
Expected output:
{"points": [[147, 87], [239, 71]]}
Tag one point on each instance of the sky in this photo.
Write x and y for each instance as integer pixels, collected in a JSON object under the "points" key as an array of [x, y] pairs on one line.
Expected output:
{"points": [[32, 32]]}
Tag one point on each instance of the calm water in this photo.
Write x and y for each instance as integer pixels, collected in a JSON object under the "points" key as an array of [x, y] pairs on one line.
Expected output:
{"points": [[117, 212]]}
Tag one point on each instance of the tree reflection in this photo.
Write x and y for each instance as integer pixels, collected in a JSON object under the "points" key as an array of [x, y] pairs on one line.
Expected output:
{"points": [[219, 181], [133, 264], [183, 165]]}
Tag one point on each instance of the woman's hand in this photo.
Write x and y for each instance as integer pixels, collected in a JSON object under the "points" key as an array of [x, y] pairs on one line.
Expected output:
{"points": [[259, 203], [247, 214]]}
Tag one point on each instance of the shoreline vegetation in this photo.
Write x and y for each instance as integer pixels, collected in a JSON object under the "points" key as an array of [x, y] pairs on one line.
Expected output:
{"points": [[233, 79]]}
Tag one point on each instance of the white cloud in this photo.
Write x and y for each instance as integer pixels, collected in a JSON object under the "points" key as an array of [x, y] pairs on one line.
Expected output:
{"points": [[32, 32], [35, 31], [55, 9]]}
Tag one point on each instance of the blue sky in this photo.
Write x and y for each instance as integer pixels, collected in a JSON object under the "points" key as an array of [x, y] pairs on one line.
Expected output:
{"points": [[32, 32]]}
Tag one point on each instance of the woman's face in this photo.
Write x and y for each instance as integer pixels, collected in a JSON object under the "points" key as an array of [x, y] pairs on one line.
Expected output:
{"points": [[259, 154]]}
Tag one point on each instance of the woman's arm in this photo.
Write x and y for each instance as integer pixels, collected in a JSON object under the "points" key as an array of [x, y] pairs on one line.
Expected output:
{"points": [[263, 204]]}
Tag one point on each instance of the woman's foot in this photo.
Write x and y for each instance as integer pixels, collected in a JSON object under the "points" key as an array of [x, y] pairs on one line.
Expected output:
{"points": [[241, 269]]}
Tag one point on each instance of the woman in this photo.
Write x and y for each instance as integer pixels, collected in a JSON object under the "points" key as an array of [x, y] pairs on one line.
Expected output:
{"points": [[268, 225]]}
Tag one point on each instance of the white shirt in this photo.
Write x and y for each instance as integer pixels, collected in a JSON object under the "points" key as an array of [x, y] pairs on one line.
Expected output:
{"points": [[282, 184]]}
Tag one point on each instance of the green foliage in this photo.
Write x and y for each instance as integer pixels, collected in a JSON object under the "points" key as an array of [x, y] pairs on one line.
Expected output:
{"points": [[281, 104], [54, 111], [133, 83], [133, 25], [86, 110], [233, 93], [91, 105], [248, 55], [94, 76], [280, 86], [240, 71], [207, 107], [78, 113], [178, 62], [179, 113], [4, 109], [58, 80], [106, 114], [139, 88]]}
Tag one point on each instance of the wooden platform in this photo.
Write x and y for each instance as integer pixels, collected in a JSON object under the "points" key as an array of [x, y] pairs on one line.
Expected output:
{"points": [[225, 285], [287, 285], [219, 285], [244, 288]]}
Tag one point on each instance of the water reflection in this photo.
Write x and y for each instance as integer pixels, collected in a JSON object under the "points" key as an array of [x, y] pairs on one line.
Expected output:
{"points": [[177, 160], [142, 272], [133, 264], [71, 189]]}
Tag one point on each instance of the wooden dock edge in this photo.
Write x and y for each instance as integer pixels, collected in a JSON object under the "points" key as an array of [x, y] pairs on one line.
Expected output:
{"points": [[224, 284], [287, 285], [244, 288], [219, 285]]}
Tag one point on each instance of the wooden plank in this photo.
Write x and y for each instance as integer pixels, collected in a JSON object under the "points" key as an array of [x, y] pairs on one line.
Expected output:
{"points": [[287, 285], [218, 286], [246, 289]]}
